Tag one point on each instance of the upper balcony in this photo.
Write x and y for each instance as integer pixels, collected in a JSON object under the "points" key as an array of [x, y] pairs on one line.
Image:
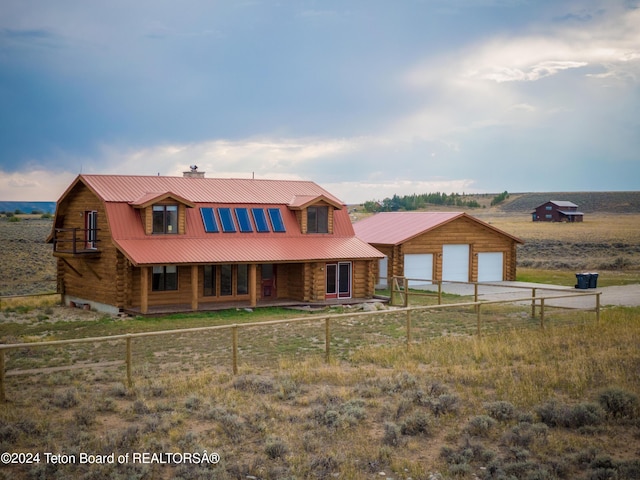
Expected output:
{"points": [[76, 242]]}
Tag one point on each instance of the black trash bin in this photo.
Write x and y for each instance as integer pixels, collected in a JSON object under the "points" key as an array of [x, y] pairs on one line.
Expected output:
{"points": [[593, 280], [583, 280]]}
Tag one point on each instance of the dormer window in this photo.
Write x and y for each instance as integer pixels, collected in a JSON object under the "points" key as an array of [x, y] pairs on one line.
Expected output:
{"points": [[165, 219], [318, 219]]}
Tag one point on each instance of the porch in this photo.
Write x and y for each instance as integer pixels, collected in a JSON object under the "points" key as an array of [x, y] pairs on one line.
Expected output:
{"points": [[160, 310]]}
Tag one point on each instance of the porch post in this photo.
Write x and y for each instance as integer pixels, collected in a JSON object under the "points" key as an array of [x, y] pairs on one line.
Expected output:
{"points": [[253, 294], [144, 289], [194, 287]]}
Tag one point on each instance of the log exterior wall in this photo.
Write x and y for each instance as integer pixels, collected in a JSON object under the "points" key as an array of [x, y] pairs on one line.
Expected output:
{"points": [[460, 231], [88, 277]]}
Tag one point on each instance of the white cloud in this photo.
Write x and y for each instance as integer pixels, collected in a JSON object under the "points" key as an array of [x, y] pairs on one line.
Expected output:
{"points": [[34, 185]]}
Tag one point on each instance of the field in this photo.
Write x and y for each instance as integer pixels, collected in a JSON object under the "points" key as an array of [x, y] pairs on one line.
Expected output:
{"points": [[517, 403]]}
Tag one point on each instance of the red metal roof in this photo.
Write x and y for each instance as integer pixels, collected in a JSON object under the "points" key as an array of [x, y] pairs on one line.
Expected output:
{"points": [[131, 188], [198, 246], [393, 228]]}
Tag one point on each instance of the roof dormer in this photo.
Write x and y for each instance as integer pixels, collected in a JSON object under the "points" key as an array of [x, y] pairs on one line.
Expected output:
{"points": [[314, 213], [162, 212]]}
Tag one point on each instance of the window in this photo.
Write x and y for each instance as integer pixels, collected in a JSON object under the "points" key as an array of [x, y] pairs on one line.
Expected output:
{"points": [[276, 220], [548, 207], [165, 219], [260, 219], [165, 278], [318, 220], [548, 215], [242, 280], [209, 281], [242, 215], [209, 220], [227, 220], [226, 280], [91, 232]]}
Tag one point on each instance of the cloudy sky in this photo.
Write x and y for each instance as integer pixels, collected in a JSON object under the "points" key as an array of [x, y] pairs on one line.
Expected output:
{"points": [[367, 98]]}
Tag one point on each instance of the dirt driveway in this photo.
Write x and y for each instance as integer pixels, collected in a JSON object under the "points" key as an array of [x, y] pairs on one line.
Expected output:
{"points": [[623, 295]]}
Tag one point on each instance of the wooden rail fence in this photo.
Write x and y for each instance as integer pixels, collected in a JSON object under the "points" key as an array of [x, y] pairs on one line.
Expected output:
{"points": [[538, 302]]}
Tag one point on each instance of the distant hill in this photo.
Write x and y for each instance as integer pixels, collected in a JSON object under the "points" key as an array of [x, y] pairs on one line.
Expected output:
{"points": [[588, 202], [28, 207]]}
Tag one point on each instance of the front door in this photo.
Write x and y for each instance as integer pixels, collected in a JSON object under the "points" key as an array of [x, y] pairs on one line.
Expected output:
{"points": [[338, 280], [268, 280]]}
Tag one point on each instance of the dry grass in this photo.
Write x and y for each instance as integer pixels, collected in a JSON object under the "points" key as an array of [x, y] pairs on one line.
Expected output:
{"points": [[376, 409]]}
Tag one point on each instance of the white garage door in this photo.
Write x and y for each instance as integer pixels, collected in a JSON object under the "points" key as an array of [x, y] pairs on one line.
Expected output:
{"points": [[455, 263], [420, 267], [383, 264], [490, 267]]}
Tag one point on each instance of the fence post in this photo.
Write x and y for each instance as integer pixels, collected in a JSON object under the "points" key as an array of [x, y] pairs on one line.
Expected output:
{"points": [[129, 380], [408, 329], [478, 319], [439, 292], [3, 398], [234, 347], [598, 307], [327, 339], [475, 292], [393, 290], [405, 284], [542, 313], [533, 303]]}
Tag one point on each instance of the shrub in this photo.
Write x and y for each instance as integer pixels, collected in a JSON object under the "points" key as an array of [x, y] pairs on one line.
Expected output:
{"points": [[8, 433], [288, 389], [275, 448], [417, 424], [391, 435], [254, 383], [619, 403], [443, 404], [555, 414], [340, 416], [480, 425], [85, 417], [193, 403], [140, 407], [501, 411], [66, 399], [14, 219]]}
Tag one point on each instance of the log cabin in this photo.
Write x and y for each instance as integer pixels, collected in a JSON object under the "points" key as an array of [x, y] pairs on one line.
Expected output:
{"points": [[438, 246], [158, 244]]}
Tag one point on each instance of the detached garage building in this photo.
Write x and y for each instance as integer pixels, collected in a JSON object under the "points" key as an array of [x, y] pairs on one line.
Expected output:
{"points": [[432, 246]]}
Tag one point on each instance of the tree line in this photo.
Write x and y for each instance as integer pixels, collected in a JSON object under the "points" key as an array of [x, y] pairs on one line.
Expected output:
{"points": [[419, 201]]}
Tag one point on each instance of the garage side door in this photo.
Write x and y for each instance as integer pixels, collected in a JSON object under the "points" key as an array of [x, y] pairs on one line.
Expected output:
{"points": [[455, 263], [418, 266], [383, 265], [490, 266]]}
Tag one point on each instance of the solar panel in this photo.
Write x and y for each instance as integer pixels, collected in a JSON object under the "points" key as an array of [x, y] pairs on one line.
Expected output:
{"points": [[209, 220], [276, 220], [260, 219], [242, 215], [227, 220]]}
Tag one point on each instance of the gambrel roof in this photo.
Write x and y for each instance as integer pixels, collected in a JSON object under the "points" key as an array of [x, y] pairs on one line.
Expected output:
{"points": [[124, 196]]}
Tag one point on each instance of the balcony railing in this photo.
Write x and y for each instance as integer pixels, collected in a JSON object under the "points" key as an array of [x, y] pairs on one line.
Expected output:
{"points": [[76, 241]]}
